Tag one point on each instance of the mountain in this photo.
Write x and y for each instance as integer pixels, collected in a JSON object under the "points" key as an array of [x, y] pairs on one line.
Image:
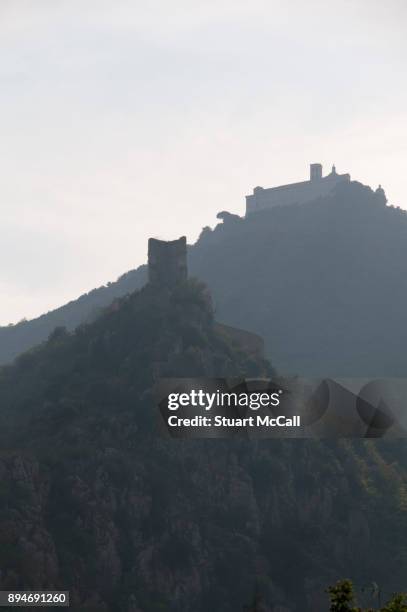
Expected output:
{"points": [[323, 283], [15, 339], [93, 500]]}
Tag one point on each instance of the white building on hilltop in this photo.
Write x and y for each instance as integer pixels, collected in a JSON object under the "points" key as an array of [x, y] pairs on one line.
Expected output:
{"points": [[296, 193]]}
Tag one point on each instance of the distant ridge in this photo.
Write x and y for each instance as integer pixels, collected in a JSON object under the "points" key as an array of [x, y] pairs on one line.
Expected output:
{"points": [[18, 338], [322, 282]]}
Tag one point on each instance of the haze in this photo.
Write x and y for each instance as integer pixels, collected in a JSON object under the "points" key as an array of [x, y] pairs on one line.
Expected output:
{"points": [[124, 120]]}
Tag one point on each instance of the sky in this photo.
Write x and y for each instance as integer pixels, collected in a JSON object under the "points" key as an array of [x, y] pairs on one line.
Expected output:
{"points": [[125, 119]]}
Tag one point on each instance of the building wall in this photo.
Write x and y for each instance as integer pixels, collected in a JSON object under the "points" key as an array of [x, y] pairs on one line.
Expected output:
{"points": [[250, 342], [296, 193]]}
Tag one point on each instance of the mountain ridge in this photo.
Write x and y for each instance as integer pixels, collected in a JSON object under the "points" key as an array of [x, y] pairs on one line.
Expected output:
{"points": [[328, 252]]}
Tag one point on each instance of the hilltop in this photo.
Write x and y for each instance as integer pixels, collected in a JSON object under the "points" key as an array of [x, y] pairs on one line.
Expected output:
{"points": [[322, 282]]}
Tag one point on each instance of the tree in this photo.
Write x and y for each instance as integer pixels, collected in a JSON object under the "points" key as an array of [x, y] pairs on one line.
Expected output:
{"points": [[342, 598], [398, 603]]}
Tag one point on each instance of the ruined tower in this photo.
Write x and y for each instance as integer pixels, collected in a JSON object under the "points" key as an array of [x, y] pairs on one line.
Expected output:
{"points": [[167, 261]]}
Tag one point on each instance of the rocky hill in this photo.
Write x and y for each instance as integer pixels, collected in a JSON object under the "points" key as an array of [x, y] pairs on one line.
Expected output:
{"points": [[94, 501], [323, 283]]}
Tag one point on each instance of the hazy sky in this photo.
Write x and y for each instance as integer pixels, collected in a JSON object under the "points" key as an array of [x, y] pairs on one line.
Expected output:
{"points": [[122, 120]]}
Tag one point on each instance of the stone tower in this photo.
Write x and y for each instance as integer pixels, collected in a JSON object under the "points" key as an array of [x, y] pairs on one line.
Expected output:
{"points": [[315, 172], [167, 261]]}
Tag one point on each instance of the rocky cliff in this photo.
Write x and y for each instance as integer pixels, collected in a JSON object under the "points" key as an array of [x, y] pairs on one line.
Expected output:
{"points": [[94, 501]]}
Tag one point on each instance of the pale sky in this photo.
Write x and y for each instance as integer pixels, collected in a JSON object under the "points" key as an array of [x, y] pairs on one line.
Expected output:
{"points": [[124, 119]]}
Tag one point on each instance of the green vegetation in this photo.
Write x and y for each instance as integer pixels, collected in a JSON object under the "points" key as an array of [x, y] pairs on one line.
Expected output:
{"points": [[95, 501], [342, 599]]}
